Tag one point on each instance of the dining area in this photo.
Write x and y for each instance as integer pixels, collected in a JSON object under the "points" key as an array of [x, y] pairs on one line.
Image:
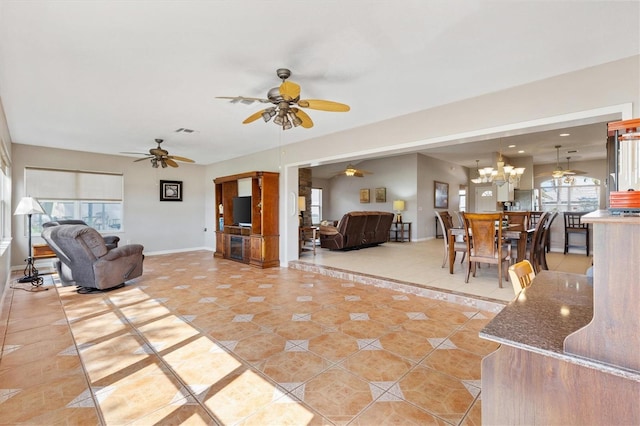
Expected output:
{"points": [[496, 238]]}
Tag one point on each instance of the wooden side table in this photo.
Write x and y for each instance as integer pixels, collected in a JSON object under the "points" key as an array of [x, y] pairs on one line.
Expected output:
{"points": [[43, 251], [400, 232], [308, 235]]}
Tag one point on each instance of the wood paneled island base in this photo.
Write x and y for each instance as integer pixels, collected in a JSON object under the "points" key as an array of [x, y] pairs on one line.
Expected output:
{"points": [[521, 387]]}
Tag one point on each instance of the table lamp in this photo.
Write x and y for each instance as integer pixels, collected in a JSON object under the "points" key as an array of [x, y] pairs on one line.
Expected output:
{"points": [[29, 206], [398, 206]]}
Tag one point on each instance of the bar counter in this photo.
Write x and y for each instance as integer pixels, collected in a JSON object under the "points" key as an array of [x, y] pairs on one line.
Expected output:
{"points": [[569, 345], [543, 315]]}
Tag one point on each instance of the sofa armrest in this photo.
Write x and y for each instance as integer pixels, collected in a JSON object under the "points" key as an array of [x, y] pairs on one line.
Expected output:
{"points": [[123, 251], [328, 230]]}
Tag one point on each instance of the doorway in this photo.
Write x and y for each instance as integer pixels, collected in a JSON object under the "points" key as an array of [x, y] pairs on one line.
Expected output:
{"points": [[485, 199]]}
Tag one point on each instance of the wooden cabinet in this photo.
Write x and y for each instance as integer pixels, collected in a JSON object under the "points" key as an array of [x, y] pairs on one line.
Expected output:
{"points": [[504, 192], [258, 244]]}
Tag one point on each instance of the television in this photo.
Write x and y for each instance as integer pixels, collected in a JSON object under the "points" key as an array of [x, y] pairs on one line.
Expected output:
{"points": [[242, 211]]}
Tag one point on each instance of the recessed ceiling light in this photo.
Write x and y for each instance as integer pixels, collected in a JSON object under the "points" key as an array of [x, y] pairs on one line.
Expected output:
{"points": [[564, 134], [511, 146], [521, 151]]}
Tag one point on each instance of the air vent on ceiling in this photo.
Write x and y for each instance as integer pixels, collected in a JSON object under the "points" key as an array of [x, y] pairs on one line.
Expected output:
{"points": [[184, 130]]}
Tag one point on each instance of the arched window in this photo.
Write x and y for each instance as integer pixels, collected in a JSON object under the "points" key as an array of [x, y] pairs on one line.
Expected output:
{"points": [[570, 193]]}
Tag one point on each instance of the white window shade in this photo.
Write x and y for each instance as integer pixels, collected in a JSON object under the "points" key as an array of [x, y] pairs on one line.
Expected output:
{"points": [[55, 184]]}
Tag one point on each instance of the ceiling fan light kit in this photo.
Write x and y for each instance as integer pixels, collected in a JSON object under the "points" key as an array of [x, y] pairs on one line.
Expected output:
{"points": [[285, 98]]}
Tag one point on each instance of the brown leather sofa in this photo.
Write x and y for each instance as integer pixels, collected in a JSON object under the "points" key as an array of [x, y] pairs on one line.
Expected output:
{"points": [[357, 230]]}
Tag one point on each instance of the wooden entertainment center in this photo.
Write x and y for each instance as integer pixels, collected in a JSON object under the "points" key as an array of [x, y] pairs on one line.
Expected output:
{"points": [[258, 244]]}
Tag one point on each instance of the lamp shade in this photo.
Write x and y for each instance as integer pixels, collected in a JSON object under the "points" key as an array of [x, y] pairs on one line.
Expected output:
{"points": [[28, 205], [398, 205], [302, 204]]}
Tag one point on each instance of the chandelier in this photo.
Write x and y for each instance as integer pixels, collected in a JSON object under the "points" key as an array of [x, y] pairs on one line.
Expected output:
{"points": [[500, 175]]}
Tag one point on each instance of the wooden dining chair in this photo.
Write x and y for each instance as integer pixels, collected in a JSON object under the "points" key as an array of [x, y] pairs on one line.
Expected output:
{"points": [[446, 223], [536, 247], [547, 240], [518, 221], [521, 275], [485, 243], [534, 217], [573, 224]]}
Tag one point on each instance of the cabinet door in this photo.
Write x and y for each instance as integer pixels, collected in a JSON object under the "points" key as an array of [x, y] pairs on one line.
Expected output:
{"points": [[505, 192], [257, 249]]}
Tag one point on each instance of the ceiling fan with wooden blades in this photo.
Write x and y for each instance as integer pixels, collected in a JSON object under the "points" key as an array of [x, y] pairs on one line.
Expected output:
{"points": [[286, 98], [351, 171], [160, 157], [559, 172]]}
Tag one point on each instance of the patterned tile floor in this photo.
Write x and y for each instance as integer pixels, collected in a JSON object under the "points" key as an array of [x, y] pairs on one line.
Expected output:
{"points": [[198, 340]]}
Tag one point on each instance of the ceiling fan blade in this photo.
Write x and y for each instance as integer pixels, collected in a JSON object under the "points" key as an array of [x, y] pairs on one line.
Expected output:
{"points": [[142, 159], [324, 105], [243, 99], [307, 123], [136, 153], [289, 90], [170, 162], [185, 159], [253, 117]]}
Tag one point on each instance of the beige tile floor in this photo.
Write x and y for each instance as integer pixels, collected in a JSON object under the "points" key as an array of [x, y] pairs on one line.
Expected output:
{"points": [[198, 340]]}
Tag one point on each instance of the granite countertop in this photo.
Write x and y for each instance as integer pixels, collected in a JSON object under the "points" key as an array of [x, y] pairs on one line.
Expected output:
{"points": [[539, 319]]}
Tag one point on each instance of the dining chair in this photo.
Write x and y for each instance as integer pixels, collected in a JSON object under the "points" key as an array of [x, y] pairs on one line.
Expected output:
{"points": [[546, 237], [573, 225], [485, 243], [446, 223], [518, 220], [460, 218], [536, 247], [521, 275], [534, 217]]}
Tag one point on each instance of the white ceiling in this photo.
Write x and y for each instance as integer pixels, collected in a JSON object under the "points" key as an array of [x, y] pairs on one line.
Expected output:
{"points": [[111, 76]]}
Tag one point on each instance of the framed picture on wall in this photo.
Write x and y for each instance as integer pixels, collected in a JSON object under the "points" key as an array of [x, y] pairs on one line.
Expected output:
{"points": [[441, 195], [170, 190], [364, 195], [381, 195]]}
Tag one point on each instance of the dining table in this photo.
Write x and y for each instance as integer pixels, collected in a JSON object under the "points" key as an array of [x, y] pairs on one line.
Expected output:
{"points": [[509, 232]]}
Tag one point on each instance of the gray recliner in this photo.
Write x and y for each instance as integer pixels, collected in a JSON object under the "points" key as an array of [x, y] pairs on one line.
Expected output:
{"points": [[110, 240], [85, 261]]}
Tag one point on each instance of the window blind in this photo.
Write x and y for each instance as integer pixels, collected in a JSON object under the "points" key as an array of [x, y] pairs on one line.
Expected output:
{"points": [[55, 184]]}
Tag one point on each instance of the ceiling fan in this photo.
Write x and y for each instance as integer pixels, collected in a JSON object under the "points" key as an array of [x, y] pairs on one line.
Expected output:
{"points": [[350, 171], [559, 172], [160, 157], [286, 99]]}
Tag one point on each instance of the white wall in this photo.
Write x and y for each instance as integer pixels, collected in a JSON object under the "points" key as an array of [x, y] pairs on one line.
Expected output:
{"points": [[159, 226]]}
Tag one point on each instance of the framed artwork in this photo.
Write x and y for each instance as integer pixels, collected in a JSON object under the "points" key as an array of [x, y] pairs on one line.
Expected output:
{"points": [[441, 195], [381, 195], [364, 195], [170, 190]]}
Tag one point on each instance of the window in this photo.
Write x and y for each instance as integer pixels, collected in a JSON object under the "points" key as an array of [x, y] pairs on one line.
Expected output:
{"points": [[93, 197], [571, 193], [462, 193], [316, 205]]}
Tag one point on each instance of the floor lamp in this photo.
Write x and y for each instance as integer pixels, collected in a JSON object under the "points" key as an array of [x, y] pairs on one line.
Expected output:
{"points": [[29, 206]]}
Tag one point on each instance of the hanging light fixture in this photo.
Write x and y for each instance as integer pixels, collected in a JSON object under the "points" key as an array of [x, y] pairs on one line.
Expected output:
{"points": [[504, 173], [480, 177]]}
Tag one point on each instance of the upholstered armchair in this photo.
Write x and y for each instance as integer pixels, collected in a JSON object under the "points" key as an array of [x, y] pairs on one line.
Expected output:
{"points": [[110, 240], [85, 261]]}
